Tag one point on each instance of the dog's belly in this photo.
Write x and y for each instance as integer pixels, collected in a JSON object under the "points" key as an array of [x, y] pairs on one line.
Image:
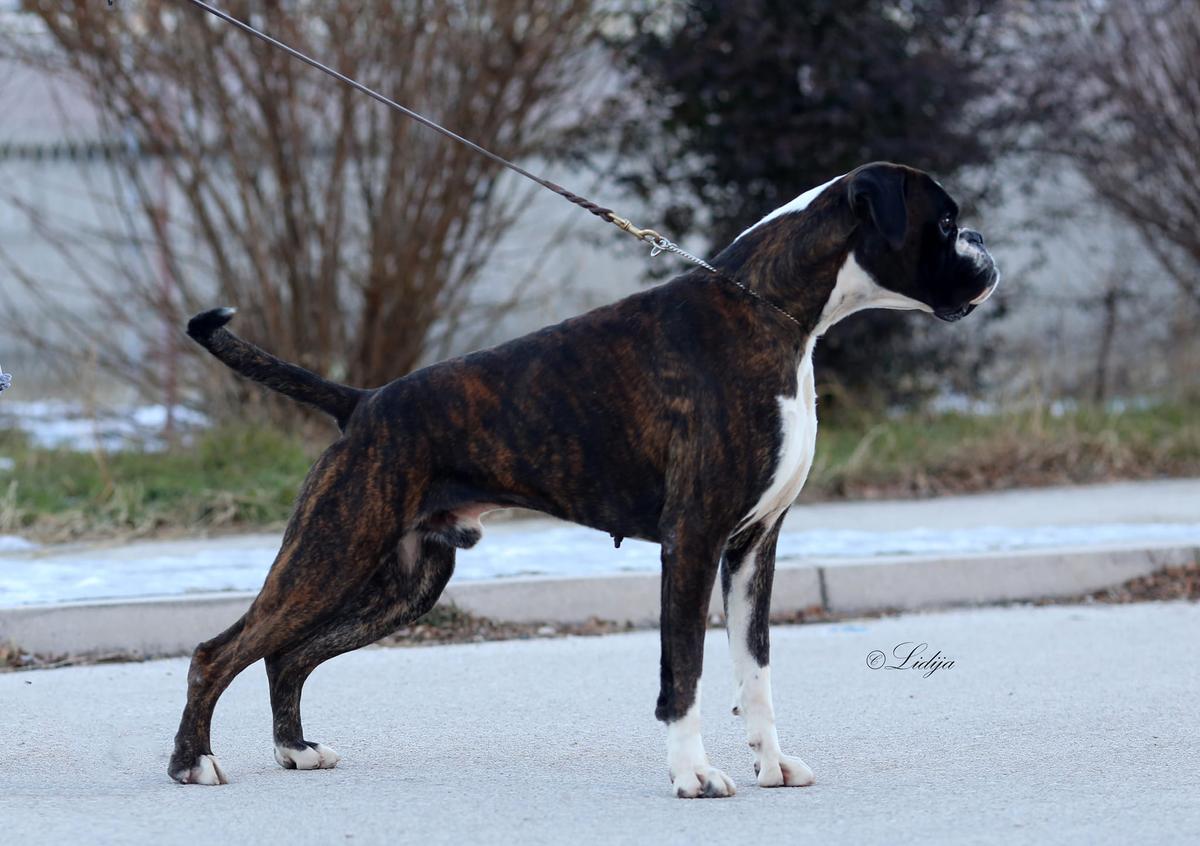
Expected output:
{"points": [[798, 441]]}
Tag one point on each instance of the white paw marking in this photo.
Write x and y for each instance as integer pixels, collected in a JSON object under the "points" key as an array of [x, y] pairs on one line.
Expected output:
{"points": [[692, 777], [329, 757], [207, 770], [318, 757], [706, 782], [785, 771]]}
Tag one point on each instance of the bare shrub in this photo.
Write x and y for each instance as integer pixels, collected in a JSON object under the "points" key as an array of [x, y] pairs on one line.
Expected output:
{"points": [[1119, 95], [351, 238]]}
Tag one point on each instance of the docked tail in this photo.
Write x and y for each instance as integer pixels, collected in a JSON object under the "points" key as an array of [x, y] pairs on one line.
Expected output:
{"points": [[208, 329]]}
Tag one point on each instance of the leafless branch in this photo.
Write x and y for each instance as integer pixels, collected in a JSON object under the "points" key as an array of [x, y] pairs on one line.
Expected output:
{"points": [[350, 237]]}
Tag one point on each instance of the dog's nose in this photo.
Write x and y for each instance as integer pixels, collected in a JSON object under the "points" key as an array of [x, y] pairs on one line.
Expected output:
{"points": [[973, 236]]}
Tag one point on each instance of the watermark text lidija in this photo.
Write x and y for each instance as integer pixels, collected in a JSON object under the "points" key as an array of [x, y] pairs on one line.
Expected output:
{"points": [[910, 655]]}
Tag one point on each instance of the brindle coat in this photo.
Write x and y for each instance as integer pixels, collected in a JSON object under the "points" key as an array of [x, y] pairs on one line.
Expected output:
{"points": [[655, 417]]}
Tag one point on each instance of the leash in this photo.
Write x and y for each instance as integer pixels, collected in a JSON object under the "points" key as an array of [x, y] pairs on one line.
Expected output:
{"points": [[657, 242]]}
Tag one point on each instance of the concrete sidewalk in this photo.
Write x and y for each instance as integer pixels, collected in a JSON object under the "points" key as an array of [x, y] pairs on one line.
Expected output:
{"points": [[1160, 501], [1055, 725]]}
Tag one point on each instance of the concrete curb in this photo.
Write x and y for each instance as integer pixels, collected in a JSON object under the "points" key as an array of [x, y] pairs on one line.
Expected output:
{"points": [[908, 584], [174, 625]]}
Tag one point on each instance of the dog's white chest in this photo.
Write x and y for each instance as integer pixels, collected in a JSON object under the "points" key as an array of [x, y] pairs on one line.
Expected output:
{"points": [[853, 291], [798, 442]]}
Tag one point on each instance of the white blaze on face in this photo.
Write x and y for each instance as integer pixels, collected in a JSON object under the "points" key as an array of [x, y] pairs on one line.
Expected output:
{"points": [[970, 250], [799, 204], [967, 248]]}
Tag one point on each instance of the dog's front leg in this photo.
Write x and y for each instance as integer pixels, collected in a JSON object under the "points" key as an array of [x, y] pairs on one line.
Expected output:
{"points": [[689, 569], [747, 573]]}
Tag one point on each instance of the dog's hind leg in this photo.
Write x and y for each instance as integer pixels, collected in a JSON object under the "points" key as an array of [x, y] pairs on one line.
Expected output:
{"points": [[296, 595], [403, 589], [319, 564]]}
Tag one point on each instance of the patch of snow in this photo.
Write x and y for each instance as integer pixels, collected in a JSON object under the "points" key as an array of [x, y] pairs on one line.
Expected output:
{"points": [[12, 543], [155, 417], [241, 563], [952, 402], [61, 424], [150, 569], [923, 541]]}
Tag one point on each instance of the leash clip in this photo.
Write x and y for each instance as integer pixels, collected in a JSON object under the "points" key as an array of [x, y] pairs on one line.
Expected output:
{"points": [[656, 241]]}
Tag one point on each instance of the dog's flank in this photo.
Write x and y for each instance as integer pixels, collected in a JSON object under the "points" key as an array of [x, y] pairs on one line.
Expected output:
{"points": [[338, 401]]}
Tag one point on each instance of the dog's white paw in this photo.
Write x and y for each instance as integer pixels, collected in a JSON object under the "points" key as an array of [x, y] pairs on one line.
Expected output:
{"points": [[314, 756], [785, 772], [206, 770], [692, 777], [704, 782]]}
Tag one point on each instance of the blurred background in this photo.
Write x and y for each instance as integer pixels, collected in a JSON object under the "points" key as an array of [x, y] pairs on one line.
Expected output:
{"points": [[155, 162]]}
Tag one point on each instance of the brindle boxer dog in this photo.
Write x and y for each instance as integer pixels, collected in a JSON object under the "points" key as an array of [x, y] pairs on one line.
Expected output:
{"points": [[683, 415]]}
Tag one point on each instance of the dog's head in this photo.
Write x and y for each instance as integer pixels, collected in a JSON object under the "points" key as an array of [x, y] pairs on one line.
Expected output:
{"points": [[897, 231], [908, 240]]}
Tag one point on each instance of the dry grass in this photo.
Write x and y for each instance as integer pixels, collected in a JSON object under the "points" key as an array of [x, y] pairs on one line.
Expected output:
{"points": [[948, 454], [246, 478], [229, 479]]}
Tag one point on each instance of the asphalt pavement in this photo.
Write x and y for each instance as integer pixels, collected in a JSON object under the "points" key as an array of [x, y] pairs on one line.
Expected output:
{"points": [[1069, 724]]}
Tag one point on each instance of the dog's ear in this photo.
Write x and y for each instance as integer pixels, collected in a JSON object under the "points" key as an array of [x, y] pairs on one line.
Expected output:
{"points": [[876, 195]]}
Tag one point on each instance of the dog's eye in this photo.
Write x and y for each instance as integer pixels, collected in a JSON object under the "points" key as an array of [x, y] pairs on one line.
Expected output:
{"points": [[946, 224]]}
